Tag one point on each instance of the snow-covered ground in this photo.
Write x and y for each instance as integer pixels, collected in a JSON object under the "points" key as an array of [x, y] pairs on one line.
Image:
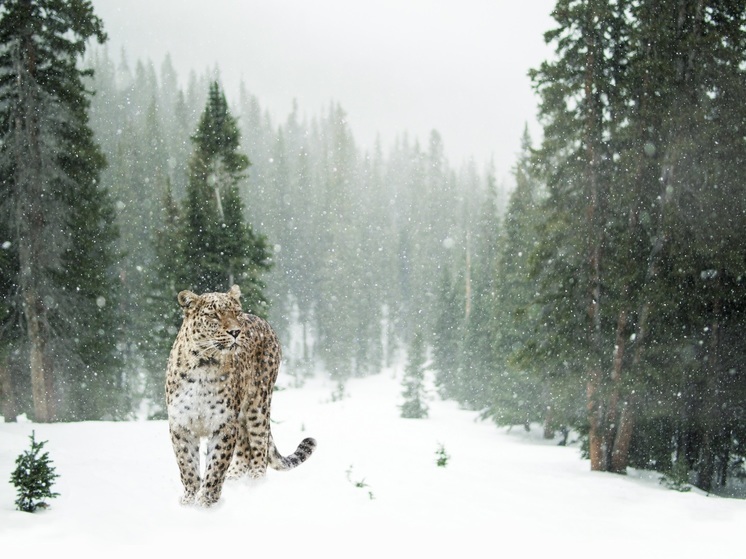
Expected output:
{"points": [[502, 493]]}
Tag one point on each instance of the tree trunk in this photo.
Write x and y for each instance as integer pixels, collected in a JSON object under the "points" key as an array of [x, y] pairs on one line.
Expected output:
{"points": [[595, 419], [31, 196], [625, 430], [7, 392], [42, 379], [618, 425], [304, 335], [596, 391], [467, 279], [549, 424], [712, 417]]}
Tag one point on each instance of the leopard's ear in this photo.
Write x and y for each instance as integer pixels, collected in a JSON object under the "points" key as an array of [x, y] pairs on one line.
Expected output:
{"points": [[186, 298], [235, 292]]}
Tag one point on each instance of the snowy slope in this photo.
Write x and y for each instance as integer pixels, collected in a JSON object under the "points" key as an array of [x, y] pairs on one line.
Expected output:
{"points": [[501, 494]]}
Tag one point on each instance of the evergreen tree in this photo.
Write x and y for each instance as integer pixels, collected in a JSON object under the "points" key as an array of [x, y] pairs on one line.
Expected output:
{"points": [[696, 299], [629, 245], [61, 219], [532, 384], [33, 477], [165, 317], [220, 248], [448, 336], [580, 180], [414, 406], [479, 364], [338, 234]]}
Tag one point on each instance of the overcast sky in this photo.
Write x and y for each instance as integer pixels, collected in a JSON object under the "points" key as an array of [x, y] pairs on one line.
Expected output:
{"points": [[457, 66]]}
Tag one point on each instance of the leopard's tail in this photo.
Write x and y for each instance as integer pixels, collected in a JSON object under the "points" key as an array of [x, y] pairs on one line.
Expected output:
{"points": [[301, 454]]}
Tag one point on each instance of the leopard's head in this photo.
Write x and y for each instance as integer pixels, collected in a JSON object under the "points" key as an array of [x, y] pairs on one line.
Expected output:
{"points": [[212, 321]]}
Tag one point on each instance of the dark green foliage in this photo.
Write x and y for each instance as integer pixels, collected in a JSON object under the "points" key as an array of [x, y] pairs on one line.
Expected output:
{"points": [[479, 364], [631, 334], [164, 316], [524, 390], [360, 484], [414, 405], [441, 456], [33, 477], [219, 247], [61, 232], [448, 337], [464, 317], [88, 284], [678, 478]]}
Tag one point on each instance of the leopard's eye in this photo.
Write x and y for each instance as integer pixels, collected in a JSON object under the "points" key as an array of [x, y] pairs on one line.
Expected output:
{"points": [[211, 315]]}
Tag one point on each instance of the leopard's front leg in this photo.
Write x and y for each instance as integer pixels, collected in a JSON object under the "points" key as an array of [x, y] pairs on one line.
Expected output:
{"points": [[186, 449], [220, 447]]}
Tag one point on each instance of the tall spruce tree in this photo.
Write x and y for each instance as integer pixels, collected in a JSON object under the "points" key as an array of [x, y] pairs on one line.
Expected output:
{"points": [[519, 390], [592, 251], [164, 316], [478, 355], [641, 147], [61, 232], [697, 304], [448, 337], [220, 248], [414, 405]]}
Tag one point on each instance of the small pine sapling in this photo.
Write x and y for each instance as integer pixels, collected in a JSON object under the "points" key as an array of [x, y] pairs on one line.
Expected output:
{"points": [[677, 478], [339, 393], [414, 406], [360, 484], [441, 456], [33, 477]]}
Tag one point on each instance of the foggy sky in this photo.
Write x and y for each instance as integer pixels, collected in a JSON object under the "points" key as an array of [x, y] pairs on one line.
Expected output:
{"points": [[458, 66]]}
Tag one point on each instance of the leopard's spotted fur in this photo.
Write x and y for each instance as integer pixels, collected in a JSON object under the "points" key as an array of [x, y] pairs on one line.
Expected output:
{"points": [[221, 373]]}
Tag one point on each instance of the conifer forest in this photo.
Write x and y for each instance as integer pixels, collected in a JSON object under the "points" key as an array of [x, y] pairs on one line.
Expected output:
{"points": [[603, 294]]}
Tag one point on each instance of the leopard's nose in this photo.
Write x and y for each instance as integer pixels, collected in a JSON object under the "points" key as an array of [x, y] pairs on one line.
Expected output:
{"points": [[234, 333]]}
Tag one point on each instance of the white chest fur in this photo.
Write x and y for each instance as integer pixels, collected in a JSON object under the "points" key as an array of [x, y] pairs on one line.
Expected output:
{"points": [[199, 402]]}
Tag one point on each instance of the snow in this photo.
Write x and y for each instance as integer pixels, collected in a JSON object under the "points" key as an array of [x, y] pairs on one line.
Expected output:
{"points": [[502, 491]]}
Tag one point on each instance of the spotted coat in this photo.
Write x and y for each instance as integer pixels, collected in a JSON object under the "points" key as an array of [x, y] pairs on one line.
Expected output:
{"points": [[221, 373]]}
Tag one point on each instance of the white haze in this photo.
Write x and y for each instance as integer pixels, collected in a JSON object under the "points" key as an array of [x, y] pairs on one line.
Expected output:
{"points": [[395, 66]]}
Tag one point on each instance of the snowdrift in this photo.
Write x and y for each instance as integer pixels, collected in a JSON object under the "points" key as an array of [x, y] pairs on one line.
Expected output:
{"points": [[372, 489]]}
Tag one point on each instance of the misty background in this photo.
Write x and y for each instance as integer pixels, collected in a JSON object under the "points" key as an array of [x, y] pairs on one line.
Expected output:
{"points": [[460, 68]]}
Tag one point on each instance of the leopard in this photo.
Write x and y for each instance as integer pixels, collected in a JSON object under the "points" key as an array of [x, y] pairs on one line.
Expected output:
{"points": [[220, 378]]}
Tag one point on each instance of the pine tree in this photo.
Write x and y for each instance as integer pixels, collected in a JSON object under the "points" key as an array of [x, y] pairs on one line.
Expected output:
{"points": [[448, 336], [518, 389], [164, 316], [479, 364], [220, 248], [61, 218], [338, 237], [414, 405], [33, 477], [640, 284], [696, 297]]}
